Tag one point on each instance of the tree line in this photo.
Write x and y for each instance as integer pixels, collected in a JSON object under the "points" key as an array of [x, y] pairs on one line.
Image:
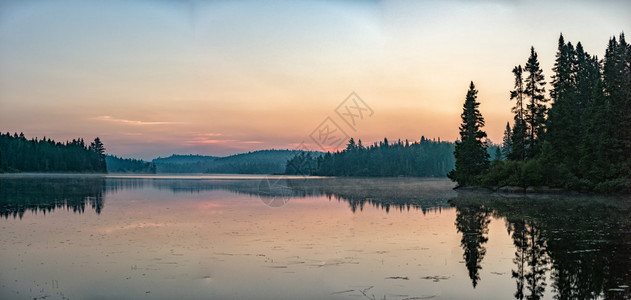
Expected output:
{"points": [[117, 164], [576, 137], [423, 158], [19, 154]]}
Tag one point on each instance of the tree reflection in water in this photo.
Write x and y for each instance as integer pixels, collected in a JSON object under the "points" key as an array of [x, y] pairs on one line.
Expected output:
{"points": [[584, 241], [473, 223], [45, 194]]}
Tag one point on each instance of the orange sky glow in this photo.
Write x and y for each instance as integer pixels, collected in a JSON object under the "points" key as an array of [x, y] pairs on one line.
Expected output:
{"points": [[218, 78]]}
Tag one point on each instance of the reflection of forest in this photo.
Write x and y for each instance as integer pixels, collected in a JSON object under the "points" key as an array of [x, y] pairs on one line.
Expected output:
{"points": [[585, 243], [46, 193], [17, 195], [385, 193]]}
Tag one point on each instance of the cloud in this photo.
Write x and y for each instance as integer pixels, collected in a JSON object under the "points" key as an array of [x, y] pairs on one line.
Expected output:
{"points": [[203, 140], [132, 122], [209, 134], [197, 141]]}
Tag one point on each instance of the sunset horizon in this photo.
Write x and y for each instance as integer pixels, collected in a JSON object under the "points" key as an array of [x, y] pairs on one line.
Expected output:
{"points": [[166, 78], [315, 149]]}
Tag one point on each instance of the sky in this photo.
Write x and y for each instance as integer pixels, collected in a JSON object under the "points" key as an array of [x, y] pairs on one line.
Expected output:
{"points": [[153, 78]]}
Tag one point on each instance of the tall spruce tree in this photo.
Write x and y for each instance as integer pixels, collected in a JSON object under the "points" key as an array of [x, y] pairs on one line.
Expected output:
{"points": [[507, 142], [563, 120], [536, 108], [470, 152], [518, 137], [99, 158], [617, 96]]}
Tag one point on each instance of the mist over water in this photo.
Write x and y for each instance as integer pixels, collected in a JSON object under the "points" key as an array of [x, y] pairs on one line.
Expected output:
{"points": [[200, 237]]}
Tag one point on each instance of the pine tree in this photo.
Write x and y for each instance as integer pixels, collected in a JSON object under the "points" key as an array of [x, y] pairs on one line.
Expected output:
{"points": [[616, 141], [518, 137], [536, 108], [563, 120], [507, 143], [498, 154], [98, 148], [471, 154]]}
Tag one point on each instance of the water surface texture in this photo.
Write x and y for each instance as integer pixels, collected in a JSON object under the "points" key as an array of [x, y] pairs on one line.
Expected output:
{"points": [[252, 237]]}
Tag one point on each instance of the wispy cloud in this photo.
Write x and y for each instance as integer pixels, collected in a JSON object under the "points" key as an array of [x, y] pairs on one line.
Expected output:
{"points": [[205, 140], [133, 122], [198, 141], [209, 134]]}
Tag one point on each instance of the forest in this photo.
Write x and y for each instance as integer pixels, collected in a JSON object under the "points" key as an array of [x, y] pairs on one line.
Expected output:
{"points": [[19, 154], [423, 158], [117, 164], [576, 137]]}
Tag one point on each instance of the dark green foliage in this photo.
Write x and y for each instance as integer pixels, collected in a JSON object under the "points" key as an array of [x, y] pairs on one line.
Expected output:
{"points": [[129, 165], [17, 154], [536, 109], [583, 141], [472, 158], [518, 135], [574, 84], [425, 158], [498, 154], [303, 163], [518, 141], [507, 142]]}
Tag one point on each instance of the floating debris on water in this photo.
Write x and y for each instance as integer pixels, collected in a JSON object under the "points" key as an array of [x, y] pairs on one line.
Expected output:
{"points": [[398, 277]]}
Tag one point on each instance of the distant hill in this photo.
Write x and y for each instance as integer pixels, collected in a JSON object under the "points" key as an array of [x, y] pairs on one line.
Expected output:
{"points": [[117, 164], [184, 159], [255, 162]]}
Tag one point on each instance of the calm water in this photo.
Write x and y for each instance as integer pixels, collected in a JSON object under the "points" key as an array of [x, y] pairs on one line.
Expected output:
{"points": [[248, 237]]}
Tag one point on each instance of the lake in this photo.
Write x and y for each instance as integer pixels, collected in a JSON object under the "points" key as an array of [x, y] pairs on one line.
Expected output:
{"points": [[276, 237]]}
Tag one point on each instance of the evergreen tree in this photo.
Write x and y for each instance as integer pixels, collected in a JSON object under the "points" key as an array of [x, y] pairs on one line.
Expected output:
{"points": [[507, 143], [498, 154], [98, 148], [518, 137], [616, 141], [471, 155], [536, 108], [564, 121]]}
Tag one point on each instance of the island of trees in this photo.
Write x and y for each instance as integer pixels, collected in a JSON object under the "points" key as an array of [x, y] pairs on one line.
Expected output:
{"points": [[576, 137]]}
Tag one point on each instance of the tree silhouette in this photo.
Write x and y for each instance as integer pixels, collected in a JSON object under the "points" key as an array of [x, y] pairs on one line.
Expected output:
{"points": [[471, 151], [536, 109], [472, 222], [17, 154]]}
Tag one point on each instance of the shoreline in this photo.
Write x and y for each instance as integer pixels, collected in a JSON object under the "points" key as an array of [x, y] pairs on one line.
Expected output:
{"points": [[520, 190]]}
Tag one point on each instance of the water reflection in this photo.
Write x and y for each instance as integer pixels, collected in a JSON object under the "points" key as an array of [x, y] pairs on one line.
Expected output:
{"points": [[45, 194], [564, 247], [583, 243], [472, 222]]}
